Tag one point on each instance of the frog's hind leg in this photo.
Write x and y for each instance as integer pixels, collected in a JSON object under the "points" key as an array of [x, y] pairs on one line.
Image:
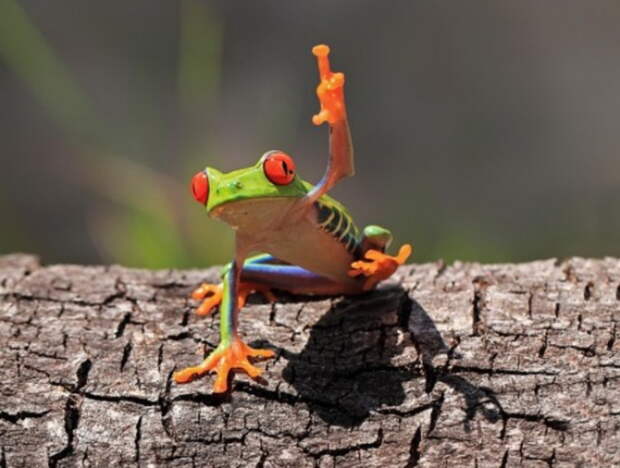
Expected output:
{"points": [[272, 273]]}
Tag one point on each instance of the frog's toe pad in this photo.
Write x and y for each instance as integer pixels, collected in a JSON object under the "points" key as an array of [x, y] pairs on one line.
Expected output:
{"points": [[330, 90], [378, 266], [331, 99], [211, 296], [222, 361]]}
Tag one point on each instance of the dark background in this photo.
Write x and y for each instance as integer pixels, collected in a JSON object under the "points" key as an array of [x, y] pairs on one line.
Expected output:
{"points": [[483, 130]]}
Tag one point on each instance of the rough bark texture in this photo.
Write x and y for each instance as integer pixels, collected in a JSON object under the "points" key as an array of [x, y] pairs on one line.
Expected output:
{"points": [[460, 365]]}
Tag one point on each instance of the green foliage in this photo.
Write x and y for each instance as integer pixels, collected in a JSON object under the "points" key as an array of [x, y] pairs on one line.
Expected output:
{"points": [[144, 215], [144, 218], [31, 58]]}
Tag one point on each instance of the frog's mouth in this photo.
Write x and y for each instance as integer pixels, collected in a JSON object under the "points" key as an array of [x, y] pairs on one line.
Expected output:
{"points": [[256, 214]]}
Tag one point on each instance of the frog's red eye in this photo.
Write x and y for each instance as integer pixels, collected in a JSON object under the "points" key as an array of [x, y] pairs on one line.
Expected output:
{"points": [[200, 187], [279, 168]]}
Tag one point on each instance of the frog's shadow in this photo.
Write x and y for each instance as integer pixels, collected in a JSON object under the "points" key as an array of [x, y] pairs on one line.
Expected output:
{"points": [[344, 371]]}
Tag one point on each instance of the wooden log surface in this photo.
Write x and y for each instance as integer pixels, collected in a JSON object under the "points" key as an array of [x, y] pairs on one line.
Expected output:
{"points": [[447, 365]]}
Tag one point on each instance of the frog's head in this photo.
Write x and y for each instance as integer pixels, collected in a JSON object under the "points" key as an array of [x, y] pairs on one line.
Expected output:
{"points": [[250, 195]]}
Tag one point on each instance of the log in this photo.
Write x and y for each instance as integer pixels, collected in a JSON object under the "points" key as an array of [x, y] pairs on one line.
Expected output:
{"points": [[445, 365]]}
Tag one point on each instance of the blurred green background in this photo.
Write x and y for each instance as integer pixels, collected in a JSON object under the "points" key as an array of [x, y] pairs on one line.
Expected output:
{"points": [[483, 130]]}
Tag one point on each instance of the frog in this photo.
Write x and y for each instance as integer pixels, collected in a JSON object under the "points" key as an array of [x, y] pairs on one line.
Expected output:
{"points": [[289, 235]]}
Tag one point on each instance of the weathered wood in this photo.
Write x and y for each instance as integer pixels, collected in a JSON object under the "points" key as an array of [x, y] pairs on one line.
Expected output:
{"points": [[504, 365]]}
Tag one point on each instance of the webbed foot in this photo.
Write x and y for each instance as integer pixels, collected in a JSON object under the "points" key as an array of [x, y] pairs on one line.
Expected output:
{"points": [[211, 295], [378, 265], [330, 90], [222, 360]]}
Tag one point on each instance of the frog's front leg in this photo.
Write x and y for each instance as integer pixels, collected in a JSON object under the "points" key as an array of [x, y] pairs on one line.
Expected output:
{"points": [[375, 264], [330, 92], [231, 353]]}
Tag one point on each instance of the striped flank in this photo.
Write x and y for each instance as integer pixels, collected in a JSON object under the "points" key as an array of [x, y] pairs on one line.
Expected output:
{"points": [[339, 224]]}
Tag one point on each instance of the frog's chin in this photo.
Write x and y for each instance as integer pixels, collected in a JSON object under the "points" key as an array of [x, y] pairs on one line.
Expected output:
{"points": [[256, 214]]}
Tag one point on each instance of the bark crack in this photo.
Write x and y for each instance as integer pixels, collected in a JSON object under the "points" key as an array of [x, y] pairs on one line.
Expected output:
{"points": [[72, 413], [137, 439], [72, 419], [414, 448], [364, 380], [14, 418], [346, 450]]}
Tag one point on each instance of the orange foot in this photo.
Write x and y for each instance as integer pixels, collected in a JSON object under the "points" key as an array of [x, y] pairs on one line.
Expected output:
{"points": [[222, 360], [213, 293], [380, 265], [330, 90]]}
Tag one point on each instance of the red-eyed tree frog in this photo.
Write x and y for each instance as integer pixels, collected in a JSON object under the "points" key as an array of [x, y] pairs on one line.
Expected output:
{"points": [[309, 243]]}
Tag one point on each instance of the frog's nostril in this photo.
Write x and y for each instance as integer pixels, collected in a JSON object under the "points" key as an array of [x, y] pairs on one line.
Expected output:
{"points": [[235, 185], [200, 187]]}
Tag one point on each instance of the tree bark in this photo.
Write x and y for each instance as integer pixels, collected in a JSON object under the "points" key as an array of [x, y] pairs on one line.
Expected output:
{"points": [[445, 365]]}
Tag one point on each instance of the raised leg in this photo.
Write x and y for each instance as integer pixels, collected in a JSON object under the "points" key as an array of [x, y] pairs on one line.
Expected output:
{"points": [[330, 92]]}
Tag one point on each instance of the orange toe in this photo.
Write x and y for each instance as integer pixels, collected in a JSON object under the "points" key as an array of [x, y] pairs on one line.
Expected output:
{"points": [[320, 50], [212, 295], [222, 361], [404, 253], [186, 375], [330, 89], [378, 265], [204, 290], [190, 373]]}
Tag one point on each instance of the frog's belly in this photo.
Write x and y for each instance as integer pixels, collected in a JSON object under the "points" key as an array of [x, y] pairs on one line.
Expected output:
{"points": [[304, 244], [280, 227]]}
